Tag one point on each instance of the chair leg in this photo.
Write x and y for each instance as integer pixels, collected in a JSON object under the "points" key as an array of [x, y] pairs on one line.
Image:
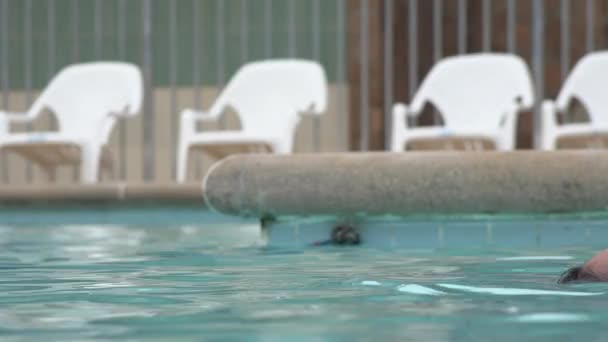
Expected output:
{"points": [[112, 171], [107, 159], [182, 162], [549, 143], [399, 144], [282, 148], [89, 164], [51, 172]]}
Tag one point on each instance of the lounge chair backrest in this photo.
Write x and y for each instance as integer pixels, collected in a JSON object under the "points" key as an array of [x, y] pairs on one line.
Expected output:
{"points": [[86, 98], [475, 91], [269, 95], [588, 82]]}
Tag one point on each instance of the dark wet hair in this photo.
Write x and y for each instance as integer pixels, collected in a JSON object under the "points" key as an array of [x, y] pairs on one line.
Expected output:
{"points": [[345, 235], [577, 274], [570, 275]]}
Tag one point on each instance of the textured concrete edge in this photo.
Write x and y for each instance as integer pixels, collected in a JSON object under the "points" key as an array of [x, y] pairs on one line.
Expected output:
{"points": [[209, 174], [403, 184], [58, 194]]}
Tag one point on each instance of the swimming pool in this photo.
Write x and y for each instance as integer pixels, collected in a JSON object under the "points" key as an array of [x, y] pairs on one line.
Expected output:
{"points": [[175, 273]]}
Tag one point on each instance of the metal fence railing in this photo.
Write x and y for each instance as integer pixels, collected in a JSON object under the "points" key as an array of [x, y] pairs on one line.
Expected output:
{"points": [[375, 53], [551, 35], [187, 50]]}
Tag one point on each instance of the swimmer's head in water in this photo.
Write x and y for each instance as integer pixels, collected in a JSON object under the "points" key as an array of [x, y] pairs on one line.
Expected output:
{"points": [[579, 274], [345, 235], [342, 234], [594, 270], [571, 275]]}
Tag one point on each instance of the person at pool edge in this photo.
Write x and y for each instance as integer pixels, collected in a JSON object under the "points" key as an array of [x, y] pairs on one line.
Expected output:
{"points": [[594, 270]]}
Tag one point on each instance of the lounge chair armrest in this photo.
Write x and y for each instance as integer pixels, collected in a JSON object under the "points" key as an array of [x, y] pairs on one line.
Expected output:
{"points": [[548, 124], [406, 109], [508, 128], [7, 117], [196, 115], [189, 118], [549, 110], [125, 112], [16, 117], [399, 126], [400, 113]]}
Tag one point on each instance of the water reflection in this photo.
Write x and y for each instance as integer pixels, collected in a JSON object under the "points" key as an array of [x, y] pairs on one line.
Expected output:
{"points": [[114, 243], [214, 280]]}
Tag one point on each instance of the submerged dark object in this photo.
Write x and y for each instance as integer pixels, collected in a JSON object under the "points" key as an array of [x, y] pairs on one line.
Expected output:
{"points": [[594, 270], [342, 235], [345, 235]]}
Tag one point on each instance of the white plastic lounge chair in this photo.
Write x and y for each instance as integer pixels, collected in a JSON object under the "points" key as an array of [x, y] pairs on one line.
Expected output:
{"points": [[86, 100], [478, 96], [587, 82], [268, 96]]}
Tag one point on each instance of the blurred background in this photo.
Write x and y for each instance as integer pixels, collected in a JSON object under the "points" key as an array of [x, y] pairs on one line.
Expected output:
{"points": [[375, 53]]}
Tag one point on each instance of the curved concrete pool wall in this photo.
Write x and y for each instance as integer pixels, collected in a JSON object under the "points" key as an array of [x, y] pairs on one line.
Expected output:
{"points": [[403, 184], [419, 199]]}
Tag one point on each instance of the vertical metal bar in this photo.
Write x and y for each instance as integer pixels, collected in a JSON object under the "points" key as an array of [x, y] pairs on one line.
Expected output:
{"points": [[538, 40], [75, 31], [364, 74], [28, 70], [511, 26], [388, 72], [462, 26], [122, 46], [51, 42], [437, 42], [437, 30], [5, 62], [316, 29], [220, 43], [268, 28], [75, 8], [98, 29], [97, 23], [220, 50], [196, 57], [565, 38], [413, 47], [149, 119], [565, 44], [291, 18], [244, 31], [316, 55], [173, 78], [196, 71], [5, 76], [590, 28], [340, 56], [487, 25]]}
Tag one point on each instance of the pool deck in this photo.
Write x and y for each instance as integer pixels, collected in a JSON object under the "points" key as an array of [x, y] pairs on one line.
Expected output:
{"points": [[362, 184], [101, 193]]}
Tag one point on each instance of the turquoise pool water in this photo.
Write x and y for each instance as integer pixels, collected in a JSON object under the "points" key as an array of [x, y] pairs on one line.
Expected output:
{"points": [[177, 275]]}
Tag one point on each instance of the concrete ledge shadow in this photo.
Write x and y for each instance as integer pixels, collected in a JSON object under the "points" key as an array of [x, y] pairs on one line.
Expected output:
{"points": [[103, 192]]}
